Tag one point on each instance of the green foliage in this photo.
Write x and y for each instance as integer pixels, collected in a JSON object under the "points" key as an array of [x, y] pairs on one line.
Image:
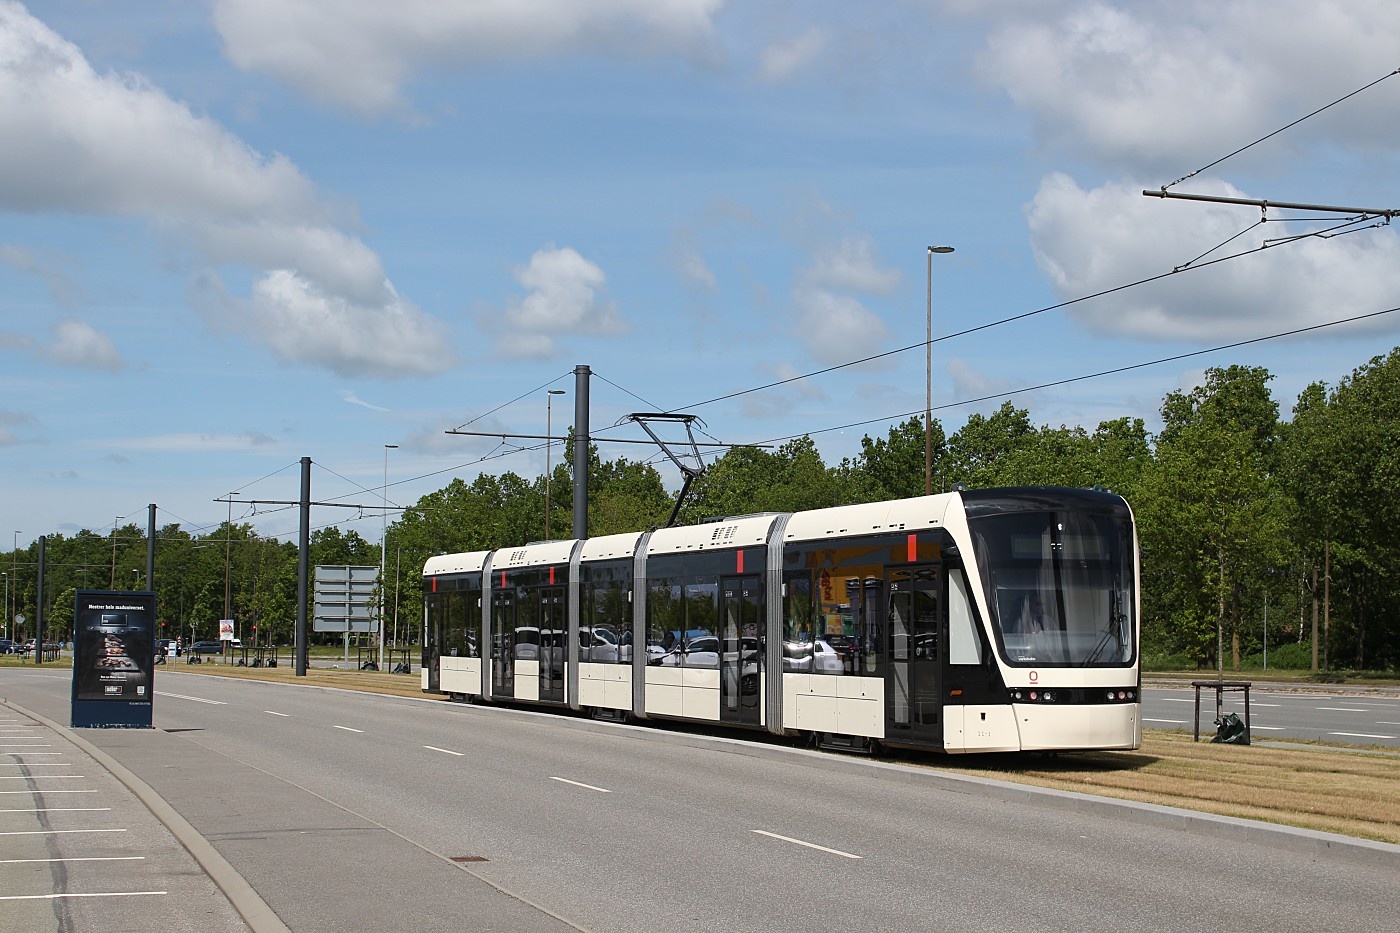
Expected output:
{"points": [[1234, 508]]}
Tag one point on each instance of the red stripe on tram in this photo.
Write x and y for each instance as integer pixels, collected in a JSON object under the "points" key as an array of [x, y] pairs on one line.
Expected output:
{"points": [[739, 568], [913, 548], [503, 579], [434, 584], [551, 576]]}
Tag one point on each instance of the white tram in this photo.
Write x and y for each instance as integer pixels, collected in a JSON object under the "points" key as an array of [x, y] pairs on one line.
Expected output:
{"points": [[975, 621]]}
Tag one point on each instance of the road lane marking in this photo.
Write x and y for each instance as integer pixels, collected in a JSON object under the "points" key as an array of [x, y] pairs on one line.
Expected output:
{"points": [[348, 729], [56, 764], [59, 810], [445, 751], [1362, 735], [25, 745], [75, 858], [273, 712], [1176, 700], [1180, 722], [50, 897], [1270, 728], [1384, 723], [58, 832], [181, 696], [601, 790], [48, 792], [35, 754], [47, 777], [1343, 709], [810, 845]]}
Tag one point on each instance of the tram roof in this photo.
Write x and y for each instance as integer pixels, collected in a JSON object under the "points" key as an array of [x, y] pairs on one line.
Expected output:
{"points": [[712, 536], [610, 547], [454, 563], [869, 518]]}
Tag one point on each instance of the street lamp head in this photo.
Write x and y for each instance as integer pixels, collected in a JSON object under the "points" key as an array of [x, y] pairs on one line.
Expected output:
{"points": [[391, 446], [556, 391], [940, 249]]}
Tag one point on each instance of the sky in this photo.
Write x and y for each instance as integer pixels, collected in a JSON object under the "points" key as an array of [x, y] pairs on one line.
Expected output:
{"points": [[236, 233]]}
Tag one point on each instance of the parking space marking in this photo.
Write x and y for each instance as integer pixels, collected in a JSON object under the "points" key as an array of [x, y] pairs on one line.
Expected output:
{"points": [[59, 810], [59, 832], [445, 751], [810, 845], [181, 696], [50, 897], [29, 777], [348, 729], [75, 858], [601, 790]]}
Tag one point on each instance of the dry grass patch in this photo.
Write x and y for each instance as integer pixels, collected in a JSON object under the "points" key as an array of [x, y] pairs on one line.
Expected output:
{"points": [[1324, 789]]}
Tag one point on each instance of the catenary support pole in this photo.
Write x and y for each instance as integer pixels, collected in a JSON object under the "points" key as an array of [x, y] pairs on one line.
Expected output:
{"points": [[581, 375], [303, 555], [151, 547]]}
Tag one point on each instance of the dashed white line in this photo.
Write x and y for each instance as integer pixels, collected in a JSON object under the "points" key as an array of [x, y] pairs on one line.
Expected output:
{"points": [[1343, 709], [48, 791], [25, 745], [273, 712], [601, 790], [181, 696], [1361, 735], [445, 751], [1269, 728], [810, 845], [1179, 722], [348, 729]]}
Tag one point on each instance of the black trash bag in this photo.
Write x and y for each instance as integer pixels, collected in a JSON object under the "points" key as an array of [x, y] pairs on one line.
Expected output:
{"points": [[1230, 730]]}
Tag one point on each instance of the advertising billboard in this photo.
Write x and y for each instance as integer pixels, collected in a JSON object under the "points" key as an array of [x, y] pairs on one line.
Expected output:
{"points": [[113, 658]]}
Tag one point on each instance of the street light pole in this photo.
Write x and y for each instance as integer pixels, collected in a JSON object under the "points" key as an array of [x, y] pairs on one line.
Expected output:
{"points": [[548, 442], [14, 574], [383, 535], [928, 374]]}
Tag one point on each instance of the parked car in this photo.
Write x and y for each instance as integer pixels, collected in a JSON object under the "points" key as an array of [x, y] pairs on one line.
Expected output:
{"points": [[208, 646], [7, 646], [167, 646]]}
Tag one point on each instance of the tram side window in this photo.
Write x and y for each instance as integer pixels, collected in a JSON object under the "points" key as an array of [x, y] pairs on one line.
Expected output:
{"points": [[665, 614], [799, 622], [454, 624], [700, 635], [606, 633], [964, 645]]}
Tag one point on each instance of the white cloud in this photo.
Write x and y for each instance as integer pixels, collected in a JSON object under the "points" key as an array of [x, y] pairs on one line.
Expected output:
{"points": [[190, 442], [359, 53], [969, 383], [782, 60], [1163, 86], [694, 271], [350, 397], [110, 144], [22, 259], [1089, 241], [851, 265], [79, 344], [563, 297], [302, 322], [837, 328]]}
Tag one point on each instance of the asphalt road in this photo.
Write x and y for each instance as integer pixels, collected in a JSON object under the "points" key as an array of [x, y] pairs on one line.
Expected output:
{"points": [[1282, 712], [346, 812]]}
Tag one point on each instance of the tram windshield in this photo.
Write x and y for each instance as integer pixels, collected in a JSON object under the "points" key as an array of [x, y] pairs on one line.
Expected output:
{"points": [[1060, 586]]}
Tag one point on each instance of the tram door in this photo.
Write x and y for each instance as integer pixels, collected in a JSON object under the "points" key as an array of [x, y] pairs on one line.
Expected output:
{"points": [[553, 643], [432, 653], [913, 693], [503, 643], [741, 649]]}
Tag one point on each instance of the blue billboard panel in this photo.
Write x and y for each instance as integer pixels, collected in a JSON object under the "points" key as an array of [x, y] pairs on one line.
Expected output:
{"points": [[113, 659]]}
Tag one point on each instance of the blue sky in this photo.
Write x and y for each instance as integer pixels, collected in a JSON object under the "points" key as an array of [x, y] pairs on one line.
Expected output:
{"points": [[236, 233]]}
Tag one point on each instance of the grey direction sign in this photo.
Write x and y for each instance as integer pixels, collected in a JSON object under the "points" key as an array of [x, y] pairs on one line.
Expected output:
{"points": [[344, 598]]}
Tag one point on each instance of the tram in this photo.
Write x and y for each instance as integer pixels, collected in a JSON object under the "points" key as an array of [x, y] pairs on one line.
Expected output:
{"points": [[974, 621]]}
